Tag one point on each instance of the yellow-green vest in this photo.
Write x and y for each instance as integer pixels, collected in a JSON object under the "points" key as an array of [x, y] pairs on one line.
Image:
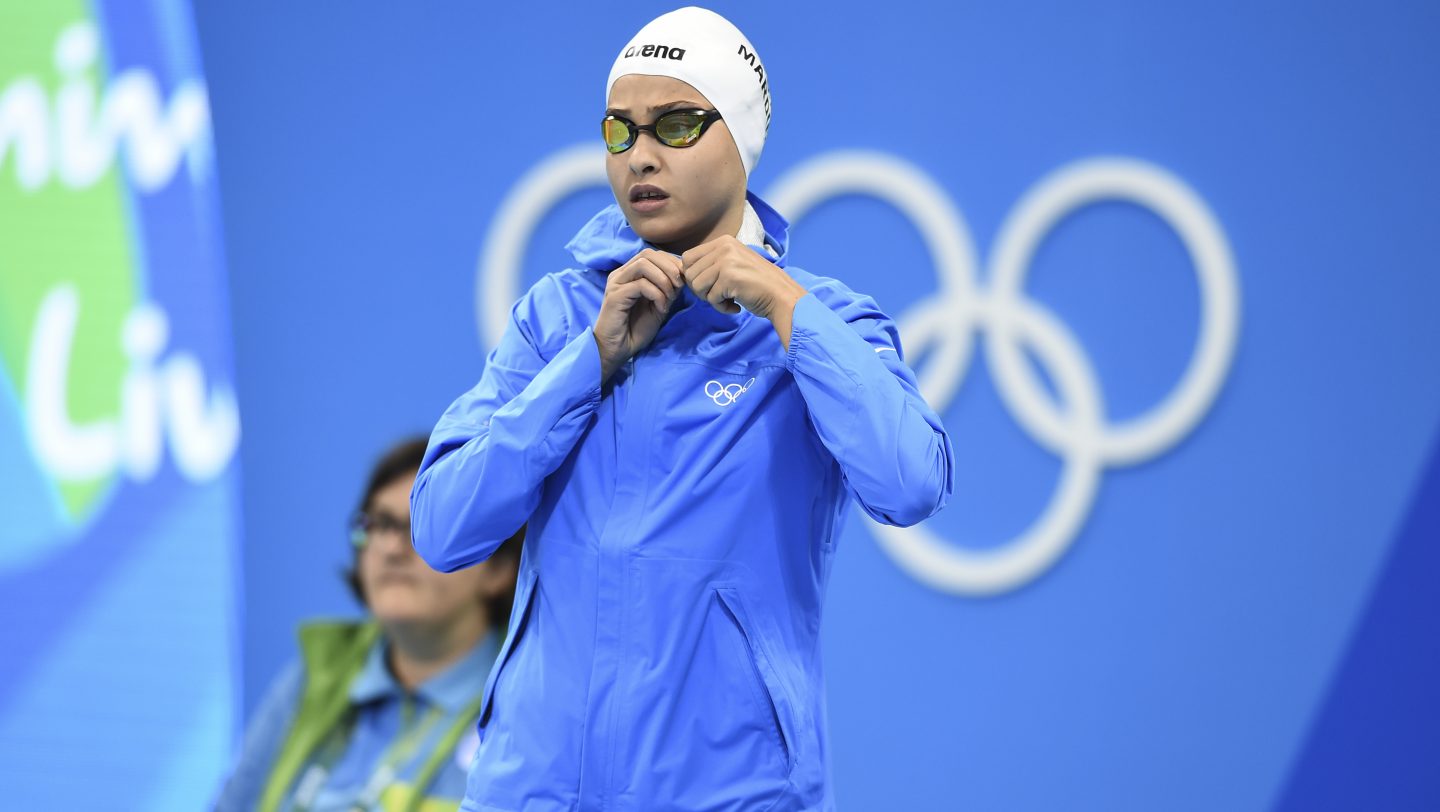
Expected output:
{"points": [[334, 654]]}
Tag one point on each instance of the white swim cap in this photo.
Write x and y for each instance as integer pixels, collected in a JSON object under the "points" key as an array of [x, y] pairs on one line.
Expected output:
{"points": [[706, 51]]}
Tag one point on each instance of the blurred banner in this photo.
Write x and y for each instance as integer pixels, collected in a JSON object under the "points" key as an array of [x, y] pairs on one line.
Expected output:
{"points": [[118, 419]]}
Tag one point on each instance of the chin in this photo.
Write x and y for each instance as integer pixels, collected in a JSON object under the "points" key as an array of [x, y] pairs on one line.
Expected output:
{"points": [[406, 619], [655, 236], [398, 609], [660, 233], [650, 229]]}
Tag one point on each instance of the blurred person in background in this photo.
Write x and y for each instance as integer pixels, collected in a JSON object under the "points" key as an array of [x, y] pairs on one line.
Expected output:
{"points": [[379, 714]]}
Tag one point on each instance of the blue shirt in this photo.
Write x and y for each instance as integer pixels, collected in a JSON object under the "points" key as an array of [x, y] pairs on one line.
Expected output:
{"points": [[664, 648], [390, 725]]}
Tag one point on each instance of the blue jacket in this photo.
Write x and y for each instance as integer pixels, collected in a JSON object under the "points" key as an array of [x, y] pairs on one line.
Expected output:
{"points": [[664, 649]]}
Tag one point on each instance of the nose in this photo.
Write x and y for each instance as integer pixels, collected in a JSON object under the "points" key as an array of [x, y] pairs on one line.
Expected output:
{"points": [[643, 157]]}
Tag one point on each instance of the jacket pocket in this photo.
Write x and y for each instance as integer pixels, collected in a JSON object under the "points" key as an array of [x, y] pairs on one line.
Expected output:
{"points": [[758, 664], [524, 598]]}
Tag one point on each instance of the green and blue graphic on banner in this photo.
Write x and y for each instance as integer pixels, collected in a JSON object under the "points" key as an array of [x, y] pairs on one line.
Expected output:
{"points": [[118, 421]]}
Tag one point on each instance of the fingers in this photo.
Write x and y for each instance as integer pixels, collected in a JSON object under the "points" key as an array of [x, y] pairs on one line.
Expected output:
{"points": [[707, 277], [705, 249], [710, 282], [715, 253], [628, 293], [623, 328], [723, 301], [664, 275], [646, 271], [663, 270], [669, 263], [700, 276]]}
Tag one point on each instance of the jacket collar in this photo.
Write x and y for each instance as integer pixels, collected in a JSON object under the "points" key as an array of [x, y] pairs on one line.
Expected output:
{"points": [[607, 241]]}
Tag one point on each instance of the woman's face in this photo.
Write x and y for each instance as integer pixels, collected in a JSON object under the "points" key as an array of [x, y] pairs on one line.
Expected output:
{"points": [[399, 586], [701, 187]]}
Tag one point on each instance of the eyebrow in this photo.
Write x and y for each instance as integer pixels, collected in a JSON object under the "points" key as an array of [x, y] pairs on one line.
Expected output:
{"points": [[658, 108]]}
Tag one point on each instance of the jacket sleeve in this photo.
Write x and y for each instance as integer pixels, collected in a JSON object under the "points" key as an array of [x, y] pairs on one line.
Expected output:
{"points": [[490, 453], [867, 409]]}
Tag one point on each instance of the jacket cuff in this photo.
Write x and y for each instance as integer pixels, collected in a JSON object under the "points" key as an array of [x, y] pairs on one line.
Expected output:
{"points": [[817, 333], [578, 366]]}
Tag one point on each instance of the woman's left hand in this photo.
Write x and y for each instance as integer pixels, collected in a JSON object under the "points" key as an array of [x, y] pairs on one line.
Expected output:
{"points": [[729, 275]]}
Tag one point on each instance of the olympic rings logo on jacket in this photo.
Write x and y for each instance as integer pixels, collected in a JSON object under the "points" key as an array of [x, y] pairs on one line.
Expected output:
{"points": [[726, 394]]}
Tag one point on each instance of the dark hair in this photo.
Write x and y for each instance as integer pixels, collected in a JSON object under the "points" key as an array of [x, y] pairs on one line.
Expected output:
{"points": [[403, 459]]}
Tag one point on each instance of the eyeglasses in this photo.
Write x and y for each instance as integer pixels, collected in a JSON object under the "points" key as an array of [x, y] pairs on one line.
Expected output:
{"points": [[677, 128], [366, 526]]}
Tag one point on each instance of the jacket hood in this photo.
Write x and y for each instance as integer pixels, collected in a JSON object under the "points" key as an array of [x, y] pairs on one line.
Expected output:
{"points": [[607, 241]]}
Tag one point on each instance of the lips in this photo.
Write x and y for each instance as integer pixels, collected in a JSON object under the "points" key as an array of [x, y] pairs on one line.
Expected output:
{"points": [[645, 198]]}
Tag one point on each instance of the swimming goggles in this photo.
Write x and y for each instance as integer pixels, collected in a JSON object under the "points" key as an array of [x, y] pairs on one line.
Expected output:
{"points": [[677, 128]]}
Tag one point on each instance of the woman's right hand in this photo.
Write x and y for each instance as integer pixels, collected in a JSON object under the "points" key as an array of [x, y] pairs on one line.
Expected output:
{"points": [[638, 297]]}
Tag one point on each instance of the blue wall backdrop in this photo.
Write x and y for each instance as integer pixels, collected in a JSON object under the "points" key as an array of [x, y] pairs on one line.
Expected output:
{"points": [[1164, 269]]}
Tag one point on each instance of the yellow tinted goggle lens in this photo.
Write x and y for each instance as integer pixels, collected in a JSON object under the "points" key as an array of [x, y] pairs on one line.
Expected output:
{"points": [[617, 135], [678, 129]]}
